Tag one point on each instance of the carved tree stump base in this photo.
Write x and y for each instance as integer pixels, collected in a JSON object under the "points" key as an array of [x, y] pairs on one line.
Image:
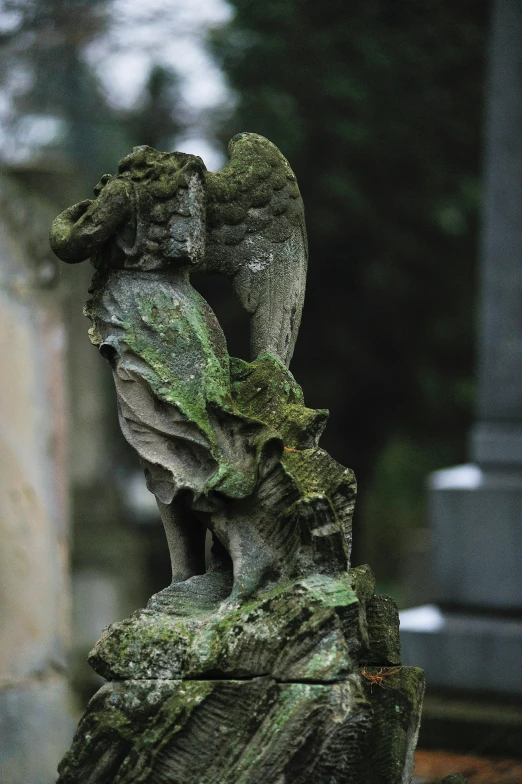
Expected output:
{"points": [[247, 732], [318, 697]]}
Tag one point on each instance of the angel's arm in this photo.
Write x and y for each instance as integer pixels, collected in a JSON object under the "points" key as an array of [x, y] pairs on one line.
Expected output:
{"points": [[79, 231]]}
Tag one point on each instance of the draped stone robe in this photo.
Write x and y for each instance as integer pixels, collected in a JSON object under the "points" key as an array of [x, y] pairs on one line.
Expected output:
{"points": [[167, 351]]}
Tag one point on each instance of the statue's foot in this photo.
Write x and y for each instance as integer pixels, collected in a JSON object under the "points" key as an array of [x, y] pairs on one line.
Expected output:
{"points": [[257, 573], [199, 594]]}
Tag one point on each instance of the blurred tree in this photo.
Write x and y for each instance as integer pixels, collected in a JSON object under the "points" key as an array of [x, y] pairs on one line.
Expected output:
{"points": [[377, 105], [59, 106], [157, 123]]}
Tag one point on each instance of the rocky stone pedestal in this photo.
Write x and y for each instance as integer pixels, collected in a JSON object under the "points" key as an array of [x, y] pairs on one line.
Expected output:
{"points": [[301, 684]]}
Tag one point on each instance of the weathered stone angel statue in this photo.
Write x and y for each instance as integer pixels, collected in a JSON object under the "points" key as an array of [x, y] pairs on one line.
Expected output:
{"points": [[226, 445], [260, 664]]}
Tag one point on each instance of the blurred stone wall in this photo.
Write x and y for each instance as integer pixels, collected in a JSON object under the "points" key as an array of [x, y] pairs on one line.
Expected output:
{"points": [[35, 714]]}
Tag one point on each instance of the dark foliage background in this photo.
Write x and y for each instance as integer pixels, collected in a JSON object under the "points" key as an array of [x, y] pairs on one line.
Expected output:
{"points": [[378, 107]]}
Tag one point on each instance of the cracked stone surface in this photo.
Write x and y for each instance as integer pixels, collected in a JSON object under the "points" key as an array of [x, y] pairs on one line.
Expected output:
{"points": [[295, 686]]}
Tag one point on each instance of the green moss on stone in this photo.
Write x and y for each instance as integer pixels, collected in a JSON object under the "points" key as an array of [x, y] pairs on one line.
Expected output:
{"points": [[266, 390]]}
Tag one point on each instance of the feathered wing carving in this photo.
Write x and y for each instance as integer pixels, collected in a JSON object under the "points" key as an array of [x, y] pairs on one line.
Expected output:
{"points": [[256, 236]]}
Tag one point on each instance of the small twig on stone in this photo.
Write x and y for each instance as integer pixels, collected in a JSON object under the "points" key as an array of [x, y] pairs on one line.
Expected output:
{"points": [[377, 678]]}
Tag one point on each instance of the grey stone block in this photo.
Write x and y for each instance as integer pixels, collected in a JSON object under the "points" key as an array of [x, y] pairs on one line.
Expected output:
{"points": [[476, 520], [463, 651], [497, 443]]}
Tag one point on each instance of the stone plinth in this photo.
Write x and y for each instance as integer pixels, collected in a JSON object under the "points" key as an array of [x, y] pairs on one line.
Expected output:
{"points": [[301, 684], [473, 638], [477, 529], [464, 650]]}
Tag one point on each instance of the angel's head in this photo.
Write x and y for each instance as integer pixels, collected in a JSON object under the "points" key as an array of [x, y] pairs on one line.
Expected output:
{"points": [[144, 161], [165, 171]]}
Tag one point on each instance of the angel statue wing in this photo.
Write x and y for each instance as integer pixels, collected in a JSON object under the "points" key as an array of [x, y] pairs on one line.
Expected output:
{"points": [[256, 236]]}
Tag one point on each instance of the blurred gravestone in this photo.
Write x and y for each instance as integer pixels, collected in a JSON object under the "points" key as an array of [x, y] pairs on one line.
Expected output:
{"points": [[35, 721], [473, 638]]}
